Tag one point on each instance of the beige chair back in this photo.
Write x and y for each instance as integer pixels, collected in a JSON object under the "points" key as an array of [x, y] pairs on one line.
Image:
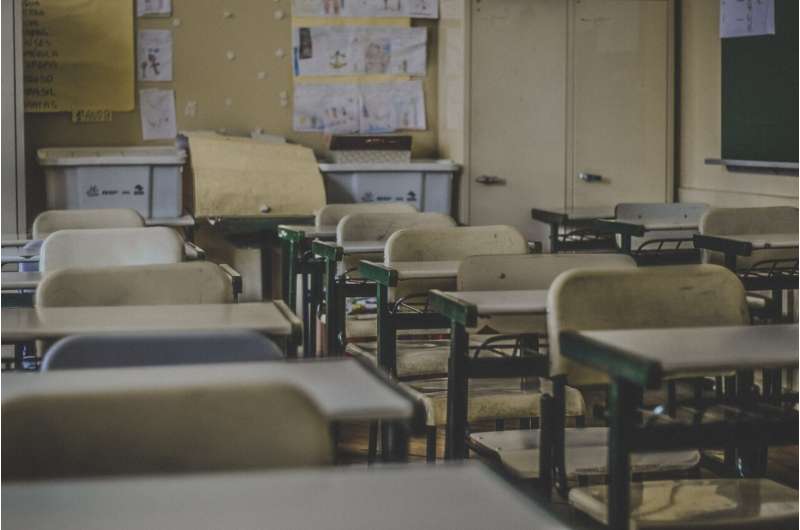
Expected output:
{"points": [[54, 220], [195, 282], [150, 429], [648, 297], [448, 244], [331, 214], [760, 220], [109, 247], [526, 271]]}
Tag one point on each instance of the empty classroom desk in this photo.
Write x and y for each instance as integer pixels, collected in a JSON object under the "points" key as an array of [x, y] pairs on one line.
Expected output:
{"points": [[274, 319], [576, 225], [19, 287], [644, 358], [734, 246], [392, 498]]}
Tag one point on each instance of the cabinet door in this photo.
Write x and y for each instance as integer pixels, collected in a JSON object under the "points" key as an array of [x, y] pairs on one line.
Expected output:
{"points": [[517, 103], [620, 80]]}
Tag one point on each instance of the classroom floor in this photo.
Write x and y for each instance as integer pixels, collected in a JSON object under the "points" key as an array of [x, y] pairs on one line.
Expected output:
{"points": [[353, 442]]}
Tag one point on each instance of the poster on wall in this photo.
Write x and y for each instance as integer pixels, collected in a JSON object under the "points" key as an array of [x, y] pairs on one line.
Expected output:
{"points": [[366, 8], [63, 73], [157, 111], [156, 8], [746, 18], [368, 108], [154, 55], [354, 50]]}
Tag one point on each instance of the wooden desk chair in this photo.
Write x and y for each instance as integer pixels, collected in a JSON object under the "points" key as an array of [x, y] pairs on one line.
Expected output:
{"points": [[159, 349], [657, 297], [331, 214], [107, 247], [52, 221], [197, 282], [140, 426]]}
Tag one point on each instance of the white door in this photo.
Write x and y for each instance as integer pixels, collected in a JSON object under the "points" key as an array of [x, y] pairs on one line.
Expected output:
{"points": [[559, 88], [620, 82]]}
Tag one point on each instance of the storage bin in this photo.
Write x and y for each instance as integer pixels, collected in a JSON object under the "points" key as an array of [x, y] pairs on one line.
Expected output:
{"points": [[147, 179], [428, 185]]}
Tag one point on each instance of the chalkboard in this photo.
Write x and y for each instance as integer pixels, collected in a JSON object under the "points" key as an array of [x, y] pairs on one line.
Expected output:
{"points": [[760, 92]]}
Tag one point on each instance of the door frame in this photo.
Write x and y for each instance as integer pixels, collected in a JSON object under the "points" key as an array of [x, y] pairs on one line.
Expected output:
{"points": [[672, 80]]}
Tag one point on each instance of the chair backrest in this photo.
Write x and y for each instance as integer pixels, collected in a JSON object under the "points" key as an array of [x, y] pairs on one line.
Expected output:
{"points": [[456, 243], [54, 220], [158, 427], [529, 271], [106, 247], [640, 212], [331, 214], [194, 282], [380, 226], [760, 220], [158, 349], [646, 297]]}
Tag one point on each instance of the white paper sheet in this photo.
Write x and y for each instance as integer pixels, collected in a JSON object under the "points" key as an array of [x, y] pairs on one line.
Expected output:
{"points": [[352, 50], [373, 108], [366, 8], [154, 55], [157, 110], [153, 7], [746, 18]]}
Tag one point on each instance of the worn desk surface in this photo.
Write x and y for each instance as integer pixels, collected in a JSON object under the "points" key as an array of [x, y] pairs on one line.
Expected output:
{"points": [[645, 356], [517, 302], [344, 390], [414, 270], [20, 280], [28, 324], [311, 231], [567, 215], [447, 497], [746, 243], [363, 247]]}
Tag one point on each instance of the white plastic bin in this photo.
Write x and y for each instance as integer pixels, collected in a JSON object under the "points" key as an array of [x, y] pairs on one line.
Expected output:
{"points": [[147, 179], [426, 184]]}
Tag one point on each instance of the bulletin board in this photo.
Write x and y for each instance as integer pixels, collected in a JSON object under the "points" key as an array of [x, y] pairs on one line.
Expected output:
{"points": [[78, 55]]}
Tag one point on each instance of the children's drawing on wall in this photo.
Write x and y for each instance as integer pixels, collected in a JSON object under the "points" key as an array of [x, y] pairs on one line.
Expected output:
{"points": [[157, 110], [326, 108], [387, 107], [354, 50], [154, 55], [153, 8], [366, 8]]}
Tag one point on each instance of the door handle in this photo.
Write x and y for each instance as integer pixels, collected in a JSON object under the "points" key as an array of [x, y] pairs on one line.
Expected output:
{"points": [[490, 180], [590, 177]]}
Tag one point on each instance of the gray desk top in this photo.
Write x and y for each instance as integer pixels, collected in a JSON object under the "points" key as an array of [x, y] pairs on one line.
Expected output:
{"points": [[20, 280], [415, 270], [446, 497], [342, 389], [764, 241], [581, 213], [26, 324], [311, 231], [519, 302], [363, 247], [680, 351], [184, 220]]}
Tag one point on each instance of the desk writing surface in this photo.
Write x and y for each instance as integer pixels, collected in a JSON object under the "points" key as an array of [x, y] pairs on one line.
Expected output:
{"points": [[516, 302], [446, 497], [311, 231], [415, 270], [763, 241], [342, 389], [705, 349], [20, 280], [566, 215], [363, 247], [24, 324]]}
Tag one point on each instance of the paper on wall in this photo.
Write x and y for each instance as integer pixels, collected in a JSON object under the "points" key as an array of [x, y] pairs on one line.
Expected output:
{"points": [[746, 18], [349, 50], [153, 7], [373, 108], [366, 8], [154, 55], [157, 110]]}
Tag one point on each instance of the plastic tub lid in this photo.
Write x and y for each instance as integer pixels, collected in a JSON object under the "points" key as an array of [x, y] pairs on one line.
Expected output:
{"points": [[118, 156]]}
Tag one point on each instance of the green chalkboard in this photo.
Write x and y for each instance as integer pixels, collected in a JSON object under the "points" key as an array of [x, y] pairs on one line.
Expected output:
{"points": [[760, 92]]}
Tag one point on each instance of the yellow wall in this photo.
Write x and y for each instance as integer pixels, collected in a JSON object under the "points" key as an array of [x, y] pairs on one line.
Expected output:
{"points": [[202, 73], [700, 136]]}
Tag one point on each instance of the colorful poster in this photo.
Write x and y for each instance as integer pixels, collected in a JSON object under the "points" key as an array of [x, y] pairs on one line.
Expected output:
{"points": [[366, 8], [154, 55], [356, 50]]}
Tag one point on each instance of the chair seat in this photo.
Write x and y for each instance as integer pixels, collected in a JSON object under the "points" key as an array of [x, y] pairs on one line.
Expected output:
{"points": [[586, 453], [711, 503], [492, 399], [415, 358]]}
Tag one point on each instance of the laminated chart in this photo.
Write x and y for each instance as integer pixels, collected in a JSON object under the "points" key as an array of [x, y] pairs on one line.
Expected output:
{"points": [[366, 8], [357, 50], [366, 108]]}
